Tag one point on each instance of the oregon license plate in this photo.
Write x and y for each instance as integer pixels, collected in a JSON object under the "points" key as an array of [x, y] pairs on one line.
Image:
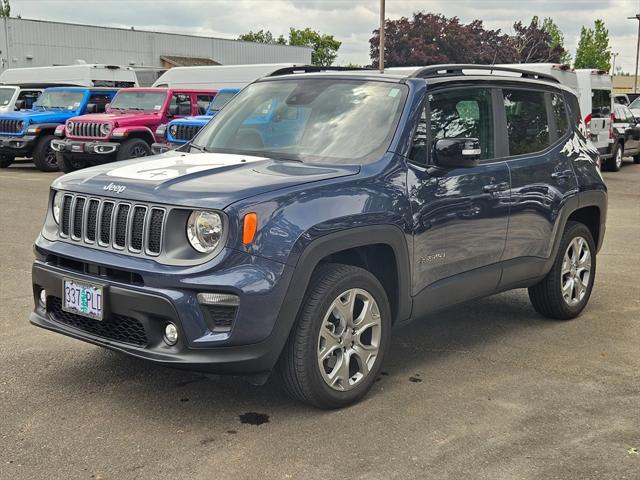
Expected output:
{"points": [[83, 298]]}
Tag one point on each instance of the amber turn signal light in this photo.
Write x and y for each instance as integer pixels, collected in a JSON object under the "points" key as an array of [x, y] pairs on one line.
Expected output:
{"points": [[250, 227]]}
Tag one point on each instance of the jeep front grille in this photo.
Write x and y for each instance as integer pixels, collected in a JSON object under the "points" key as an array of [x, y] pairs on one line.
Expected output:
{"points": [[118, 225], [185, 133], [87, 129], [9, 126]]}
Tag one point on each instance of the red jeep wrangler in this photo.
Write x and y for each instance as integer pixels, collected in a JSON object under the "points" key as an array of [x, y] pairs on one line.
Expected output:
{"points": [[126, 129]]}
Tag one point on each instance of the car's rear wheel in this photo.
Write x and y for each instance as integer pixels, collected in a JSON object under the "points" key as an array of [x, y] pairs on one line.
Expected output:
{"points": [[566, 289], [6, 161], [133, 148], [44, 157], [337, 345], [68, 164], [615, 162], [636, 158]]}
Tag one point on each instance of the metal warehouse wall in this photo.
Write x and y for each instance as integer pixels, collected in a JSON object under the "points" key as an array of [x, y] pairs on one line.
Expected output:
{"points": [[34, 43]]}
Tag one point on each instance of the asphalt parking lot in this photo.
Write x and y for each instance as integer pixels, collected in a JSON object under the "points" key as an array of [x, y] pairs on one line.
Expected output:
{"points": [[487, 390]]}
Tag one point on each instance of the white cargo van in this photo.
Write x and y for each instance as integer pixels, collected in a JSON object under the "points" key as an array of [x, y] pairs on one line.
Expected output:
{"points": [[596, 104], [218, 76], [561, 71], [13, 97], [80, 75]]}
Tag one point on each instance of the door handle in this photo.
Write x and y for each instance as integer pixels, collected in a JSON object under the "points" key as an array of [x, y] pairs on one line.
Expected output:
{"points": [[563, 174], [496, 187]]}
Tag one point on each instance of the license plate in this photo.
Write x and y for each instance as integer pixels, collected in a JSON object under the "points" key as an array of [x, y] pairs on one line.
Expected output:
{"points": [[83, 298]]}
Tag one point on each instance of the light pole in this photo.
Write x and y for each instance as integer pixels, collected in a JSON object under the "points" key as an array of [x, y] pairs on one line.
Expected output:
{"points": [[635, 79], [613, 66], [381, 46]]}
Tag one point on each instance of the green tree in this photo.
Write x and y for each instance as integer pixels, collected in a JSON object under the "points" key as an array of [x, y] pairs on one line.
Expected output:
{"points": [[262, 36], [5, 9], [557, 38], [325, 47], [594, 50]]}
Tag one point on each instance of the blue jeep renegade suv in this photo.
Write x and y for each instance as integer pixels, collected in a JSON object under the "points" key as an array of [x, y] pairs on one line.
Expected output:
{"points": [[395, 196]]}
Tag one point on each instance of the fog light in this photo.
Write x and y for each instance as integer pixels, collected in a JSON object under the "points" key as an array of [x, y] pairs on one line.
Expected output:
{"points": [[43, 298], [170, 334]]}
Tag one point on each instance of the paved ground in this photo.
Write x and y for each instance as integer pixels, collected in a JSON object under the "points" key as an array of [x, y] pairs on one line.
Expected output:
{"points": [[489, 390]]}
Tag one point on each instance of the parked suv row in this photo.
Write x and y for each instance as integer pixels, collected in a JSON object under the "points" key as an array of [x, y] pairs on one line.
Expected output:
{"points": [[298, 247]]}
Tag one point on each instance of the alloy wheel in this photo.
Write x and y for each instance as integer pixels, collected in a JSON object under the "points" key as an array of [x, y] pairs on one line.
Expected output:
{"points": [[349, 339], [138, 151], [618, 158], [576, 271], [50, 157]]}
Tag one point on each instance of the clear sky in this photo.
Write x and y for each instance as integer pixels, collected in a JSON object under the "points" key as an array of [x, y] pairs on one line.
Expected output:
{"points": [[350, 21]]}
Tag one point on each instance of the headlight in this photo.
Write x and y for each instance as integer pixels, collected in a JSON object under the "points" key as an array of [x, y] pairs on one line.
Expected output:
{"points": [[105, 129], [173, 129], [70, 126], [160, 130], [204, 230], [21, 125], [57, 206]]}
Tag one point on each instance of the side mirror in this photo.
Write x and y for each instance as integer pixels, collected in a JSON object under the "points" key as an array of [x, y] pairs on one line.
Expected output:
{"points": [[92, 108], [456, 152], [173, 110], [19, 104]]}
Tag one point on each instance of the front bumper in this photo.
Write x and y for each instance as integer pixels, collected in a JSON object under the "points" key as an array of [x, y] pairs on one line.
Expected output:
{"points": [[84, 147], [17, 146], [251, 347]]}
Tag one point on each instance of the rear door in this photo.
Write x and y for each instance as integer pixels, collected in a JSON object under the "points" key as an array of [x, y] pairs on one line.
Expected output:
{"points": [[542, 177], [600, 122]]}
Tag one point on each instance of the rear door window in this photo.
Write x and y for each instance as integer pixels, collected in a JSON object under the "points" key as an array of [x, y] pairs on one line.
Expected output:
{"points": [[182, 102], [600, 103], [527, 121]]}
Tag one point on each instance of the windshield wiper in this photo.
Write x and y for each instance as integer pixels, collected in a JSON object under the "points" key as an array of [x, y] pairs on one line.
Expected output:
{"points": [[198, 147]]}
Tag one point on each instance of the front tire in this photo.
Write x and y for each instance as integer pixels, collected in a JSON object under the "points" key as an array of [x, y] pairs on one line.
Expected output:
{"points": [[68, 164], [6, 161], [615, 162], [636, 159], [44, 157], [133, 148], [565, 291], [336, 348]]}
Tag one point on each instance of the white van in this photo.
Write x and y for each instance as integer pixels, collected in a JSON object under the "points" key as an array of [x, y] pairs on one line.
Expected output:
{"points": [[80, 75], [13, 97], [564, 73], [218, 76], [596, 104]]}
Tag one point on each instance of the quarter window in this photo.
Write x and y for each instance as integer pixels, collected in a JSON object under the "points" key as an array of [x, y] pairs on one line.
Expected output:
{"points": [[461, 113], [527, 125], [560, 114]]}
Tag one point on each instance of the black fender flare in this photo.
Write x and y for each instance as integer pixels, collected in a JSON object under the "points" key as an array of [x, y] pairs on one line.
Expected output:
{"points": [[335, 242]]}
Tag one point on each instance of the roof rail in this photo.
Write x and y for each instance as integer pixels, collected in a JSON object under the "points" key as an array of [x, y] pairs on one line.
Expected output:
{"points": [[314, 69], [449, 70]]}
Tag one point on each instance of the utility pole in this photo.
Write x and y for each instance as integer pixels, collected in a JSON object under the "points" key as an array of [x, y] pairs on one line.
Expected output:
{"points": [[381, 46], [635, 79], [613, 67]]}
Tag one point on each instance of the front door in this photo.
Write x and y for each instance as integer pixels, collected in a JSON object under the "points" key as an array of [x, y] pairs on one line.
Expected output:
{"points": [[460, 215]]}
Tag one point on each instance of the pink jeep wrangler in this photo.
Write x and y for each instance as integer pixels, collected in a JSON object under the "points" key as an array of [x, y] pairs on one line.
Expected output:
{"points": [[127, 128]]}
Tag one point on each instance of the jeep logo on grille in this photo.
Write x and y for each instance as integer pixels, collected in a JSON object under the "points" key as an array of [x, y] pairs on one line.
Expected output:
{"points": [[112, 187]]}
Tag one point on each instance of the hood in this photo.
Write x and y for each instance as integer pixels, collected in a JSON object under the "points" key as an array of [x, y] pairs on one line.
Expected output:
{"points": [[204, 180], [124, 119], [199, 119], [38, 116]]}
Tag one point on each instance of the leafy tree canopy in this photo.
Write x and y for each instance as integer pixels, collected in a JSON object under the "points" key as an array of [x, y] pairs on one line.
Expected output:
{"points": [[593, 48]]}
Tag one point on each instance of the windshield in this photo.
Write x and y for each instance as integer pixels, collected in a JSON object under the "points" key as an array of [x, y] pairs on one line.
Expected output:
{"points": [[60, 100], [314, 120], [221, 100], [6, 94], [635, 103], [147, 101]]}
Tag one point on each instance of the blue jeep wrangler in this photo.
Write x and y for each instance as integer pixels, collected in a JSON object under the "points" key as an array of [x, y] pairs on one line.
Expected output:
{"points": [[181, 130], [28, 133], [400, 194]]}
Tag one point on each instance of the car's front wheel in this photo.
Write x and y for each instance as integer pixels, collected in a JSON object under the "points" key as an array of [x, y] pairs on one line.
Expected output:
{"points": [[6, 161], [615, 162], [133, 148], [337, 345], [566, 289], [44, 157], [68, 164]]}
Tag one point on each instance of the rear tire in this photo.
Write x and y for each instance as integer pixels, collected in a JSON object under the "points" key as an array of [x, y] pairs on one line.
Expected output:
{"points": [[615, 162], [6, 161], [332, 358], [565, 291], [69, 164], [44, 157], [133, 148], [636, 159]]}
